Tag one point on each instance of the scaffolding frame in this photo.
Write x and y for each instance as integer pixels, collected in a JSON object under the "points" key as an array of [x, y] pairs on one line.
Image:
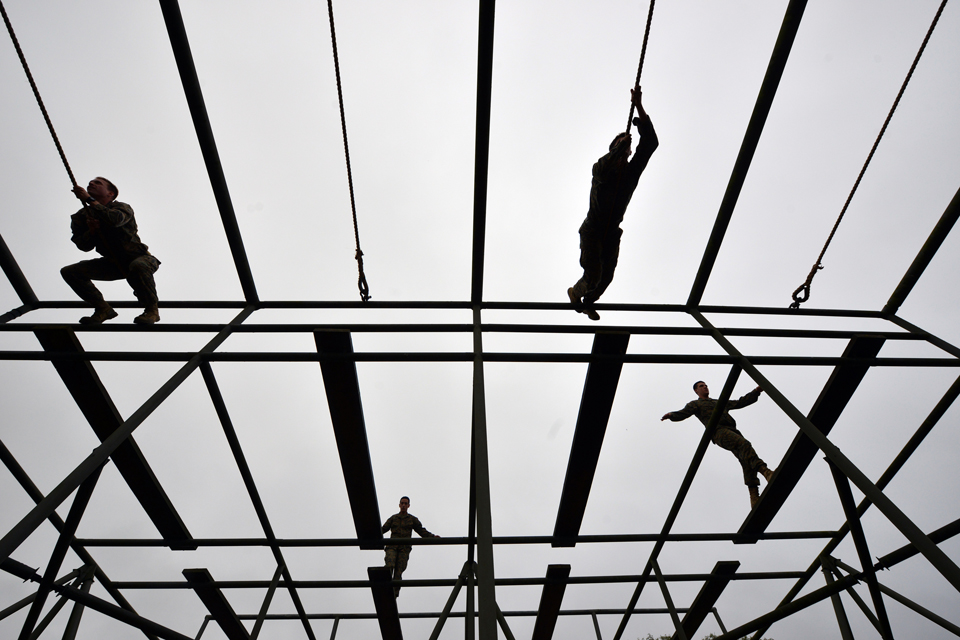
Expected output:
{"points": [[337, 359]]}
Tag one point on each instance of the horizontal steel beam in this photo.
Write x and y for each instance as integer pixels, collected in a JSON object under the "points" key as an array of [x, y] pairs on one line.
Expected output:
{"points": [[550, 600], [455, 541], [599, 391], [449, 582], [346, 413], [836, 393], [707, 598], [216, 603], [385, 603], [91, 396]]}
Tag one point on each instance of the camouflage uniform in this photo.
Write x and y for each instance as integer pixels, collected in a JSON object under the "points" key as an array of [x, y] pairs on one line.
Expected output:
{"points": [[727, 436], [613, 186], [401, 525], [124, 256]]}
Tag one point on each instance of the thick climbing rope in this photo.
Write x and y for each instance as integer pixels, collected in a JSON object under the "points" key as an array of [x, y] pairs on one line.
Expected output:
{"points": [[362, 280], [36, 93], [643, 54], [802, 294]]}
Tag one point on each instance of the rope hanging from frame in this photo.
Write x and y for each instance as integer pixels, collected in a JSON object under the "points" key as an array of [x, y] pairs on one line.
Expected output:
{"points": [[362, 279], [643, 54], [802, 293], [36, 93]]}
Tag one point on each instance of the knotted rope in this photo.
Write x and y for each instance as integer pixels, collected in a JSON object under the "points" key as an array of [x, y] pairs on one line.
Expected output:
{"points": [[802, 294], [362, 279]]}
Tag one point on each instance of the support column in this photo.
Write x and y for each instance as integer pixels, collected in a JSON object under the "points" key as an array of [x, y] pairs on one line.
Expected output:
{"points": [[826, 564]]}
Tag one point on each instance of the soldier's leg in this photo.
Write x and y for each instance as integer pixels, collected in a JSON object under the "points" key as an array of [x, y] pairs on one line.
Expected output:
{"points": [[140, 278], [590, 250], [80, 277], [402, 557], [739, 446], [390, 558], [609, 256]]}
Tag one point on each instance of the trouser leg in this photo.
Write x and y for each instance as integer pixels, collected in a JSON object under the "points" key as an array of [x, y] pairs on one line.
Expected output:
{"points": [[403, 555], [734, 442], [609, 255], [80, 277], [140, 278], [591, 249]]}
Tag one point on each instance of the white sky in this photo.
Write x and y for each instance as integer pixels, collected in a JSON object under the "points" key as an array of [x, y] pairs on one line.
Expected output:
{"points": [[562, 71]]}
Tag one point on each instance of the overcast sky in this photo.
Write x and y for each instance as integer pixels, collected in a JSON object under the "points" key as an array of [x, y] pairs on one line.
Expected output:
{"points": [[562, 74]]}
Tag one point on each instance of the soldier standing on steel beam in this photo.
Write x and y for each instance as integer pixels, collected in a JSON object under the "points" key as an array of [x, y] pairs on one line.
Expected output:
{"points": [[401, 525], [726, 435]]}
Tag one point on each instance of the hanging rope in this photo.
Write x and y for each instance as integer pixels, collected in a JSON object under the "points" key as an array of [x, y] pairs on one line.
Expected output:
{"points": [[36, 93], [643, 54], [802, 294], [362, 280]]}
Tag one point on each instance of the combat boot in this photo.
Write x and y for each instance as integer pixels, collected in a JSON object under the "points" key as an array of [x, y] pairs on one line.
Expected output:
{"points": [[150, 315], [766, 473], [754, 495], [103, 312]]}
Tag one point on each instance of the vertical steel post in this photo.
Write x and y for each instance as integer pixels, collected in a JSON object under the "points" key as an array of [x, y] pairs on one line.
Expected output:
{"points": [[484, 567], [863, 551], [60, 549], [596, 624], [73, 623], [826, 565], [681, 634], [450, 601], [266, 603]]}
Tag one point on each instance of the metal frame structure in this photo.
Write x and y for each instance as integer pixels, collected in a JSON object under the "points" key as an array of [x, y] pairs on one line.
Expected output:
{"points": [[337, 360]]}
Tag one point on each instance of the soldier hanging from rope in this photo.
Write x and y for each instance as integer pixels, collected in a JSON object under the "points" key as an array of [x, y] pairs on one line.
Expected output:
{"points": [[109, 227], [615, 178]]}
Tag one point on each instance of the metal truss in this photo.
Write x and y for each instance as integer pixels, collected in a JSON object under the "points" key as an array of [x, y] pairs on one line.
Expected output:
{"points": [[478, 579]]}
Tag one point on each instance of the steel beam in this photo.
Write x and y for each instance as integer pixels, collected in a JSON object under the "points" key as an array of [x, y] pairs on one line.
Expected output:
{"points": [[15, 275], [674, 616], [441, 620], [707, 598], [216, 603], [73, 623], [863, 550], [482, 151], [231, 434], [923, 258], [91, 396], [346, 413], [550, 600], [60, 549], [934, 555], [385, 602], [768, 90], [20, 604], [599, 391], [483, 568], [711, 425], [836, 393], [843, 623], [267, 599], [37, 496], [29, 523], [208, 145]]}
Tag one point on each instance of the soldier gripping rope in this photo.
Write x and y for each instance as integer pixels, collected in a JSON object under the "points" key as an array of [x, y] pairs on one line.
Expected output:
{"points": [[401, 525], [615, 177], [109, 227], [726, 435]]}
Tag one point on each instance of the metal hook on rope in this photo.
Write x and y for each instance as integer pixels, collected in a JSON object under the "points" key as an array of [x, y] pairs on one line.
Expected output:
{"points": [[802, 294]]}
